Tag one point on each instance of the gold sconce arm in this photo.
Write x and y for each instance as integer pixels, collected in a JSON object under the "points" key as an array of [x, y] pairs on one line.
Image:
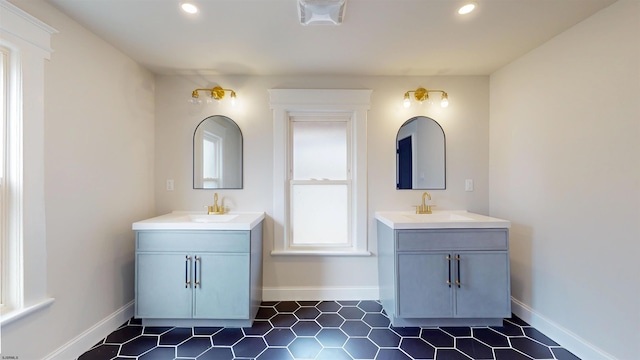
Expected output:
{"points": [[216, 93], [421, 94]]}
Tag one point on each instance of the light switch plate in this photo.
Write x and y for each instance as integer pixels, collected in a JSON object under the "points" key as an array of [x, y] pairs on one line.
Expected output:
{"points": [[468, 185]]}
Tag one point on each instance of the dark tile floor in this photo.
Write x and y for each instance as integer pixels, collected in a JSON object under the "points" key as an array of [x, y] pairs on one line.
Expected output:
{"points": [[332, 330]]}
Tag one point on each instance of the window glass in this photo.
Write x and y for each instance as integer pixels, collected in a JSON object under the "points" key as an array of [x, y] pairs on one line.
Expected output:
{"points": [[319, 150], [320, 215], [3, 121], [3, 110]]}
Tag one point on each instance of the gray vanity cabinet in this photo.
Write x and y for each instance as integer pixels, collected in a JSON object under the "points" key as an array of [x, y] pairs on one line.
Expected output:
{"points": [[420, 277], [159, 299], [440, 277], [484, 291], [198, 278], [224, 294]]}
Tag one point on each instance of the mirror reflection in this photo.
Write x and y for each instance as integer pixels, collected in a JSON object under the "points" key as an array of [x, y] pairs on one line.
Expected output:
{"points": [[217, 154], [420, 155]]}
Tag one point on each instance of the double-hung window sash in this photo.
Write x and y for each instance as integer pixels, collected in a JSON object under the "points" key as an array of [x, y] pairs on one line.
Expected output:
{"points": [[320, 182]]}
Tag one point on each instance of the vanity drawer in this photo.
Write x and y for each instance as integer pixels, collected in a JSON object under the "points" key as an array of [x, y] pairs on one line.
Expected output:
{"points": [[193, 241], [452, 239]]}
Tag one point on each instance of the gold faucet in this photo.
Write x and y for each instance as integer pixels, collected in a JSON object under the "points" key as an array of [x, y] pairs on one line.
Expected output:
{"points": [[215, 209], [424, 208]]}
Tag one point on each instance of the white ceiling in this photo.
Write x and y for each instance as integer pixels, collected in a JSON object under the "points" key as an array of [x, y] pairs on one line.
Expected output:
{"points": [[377, 37]]}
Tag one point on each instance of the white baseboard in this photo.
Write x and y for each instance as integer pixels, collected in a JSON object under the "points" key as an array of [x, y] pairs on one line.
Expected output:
{"points": [[567, 339], [83, 342], [307, 293]]}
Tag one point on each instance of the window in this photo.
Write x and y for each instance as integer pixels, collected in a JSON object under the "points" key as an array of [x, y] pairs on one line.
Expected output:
{"points": [[320, 181], [320, 172], [3, 121], [24, 46], [10, 187]]}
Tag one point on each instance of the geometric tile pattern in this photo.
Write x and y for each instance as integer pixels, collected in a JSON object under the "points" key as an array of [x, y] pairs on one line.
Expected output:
{"points": [[331, 330]]}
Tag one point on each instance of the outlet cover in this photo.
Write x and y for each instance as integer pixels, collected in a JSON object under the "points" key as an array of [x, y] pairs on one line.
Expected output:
{"points": [[468, 185]]}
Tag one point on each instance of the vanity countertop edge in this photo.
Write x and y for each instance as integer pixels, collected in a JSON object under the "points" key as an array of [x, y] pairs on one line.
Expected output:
{"points": [[452, 219], [180, 220]]}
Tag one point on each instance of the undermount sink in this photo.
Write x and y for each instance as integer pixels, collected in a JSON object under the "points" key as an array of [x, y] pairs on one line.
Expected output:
{"points": [[212, 218], [439, 220]]}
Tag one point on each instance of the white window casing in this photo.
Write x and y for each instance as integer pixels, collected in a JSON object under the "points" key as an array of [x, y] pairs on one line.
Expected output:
{"points": [[321, 105], [26, 40]]}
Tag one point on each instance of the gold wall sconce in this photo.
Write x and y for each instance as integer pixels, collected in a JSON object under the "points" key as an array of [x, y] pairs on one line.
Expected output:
{"points": [[421, 94], [215, 93]]}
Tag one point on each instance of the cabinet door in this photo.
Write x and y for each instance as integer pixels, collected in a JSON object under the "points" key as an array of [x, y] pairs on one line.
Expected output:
{"points": [[223, 286], [423, 291], [484, 285], [161, 289]]}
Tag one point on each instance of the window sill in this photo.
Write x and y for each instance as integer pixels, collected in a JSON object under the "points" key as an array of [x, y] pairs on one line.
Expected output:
{"points": [[319, 253], [18, 314]]}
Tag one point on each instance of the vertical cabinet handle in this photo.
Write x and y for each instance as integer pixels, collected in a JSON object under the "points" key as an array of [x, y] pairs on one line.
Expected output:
{"points": [[449, 265], [458, 260], [187, 263], [197, 282]]}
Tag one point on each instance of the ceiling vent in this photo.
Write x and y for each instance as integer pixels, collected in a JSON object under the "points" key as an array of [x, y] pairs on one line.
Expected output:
{"points": [[321, 12]]}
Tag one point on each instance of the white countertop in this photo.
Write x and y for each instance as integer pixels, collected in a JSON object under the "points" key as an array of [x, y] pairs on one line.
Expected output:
{"points": [[199, 220], [455, 219]]}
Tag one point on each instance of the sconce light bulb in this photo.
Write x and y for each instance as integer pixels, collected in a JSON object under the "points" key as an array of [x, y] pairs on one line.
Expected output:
{"points": [[407, 101], [233, 98], [189, 8], [467, 8], [445, 100]]}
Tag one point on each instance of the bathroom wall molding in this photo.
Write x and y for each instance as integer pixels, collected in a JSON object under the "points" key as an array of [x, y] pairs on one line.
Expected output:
{"points": [[83, 342], [310, 293], [567, 339]]}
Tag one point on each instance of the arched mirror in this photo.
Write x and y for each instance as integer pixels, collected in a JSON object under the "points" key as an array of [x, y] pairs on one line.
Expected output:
{"points": [[420, 155], [217, 154]]}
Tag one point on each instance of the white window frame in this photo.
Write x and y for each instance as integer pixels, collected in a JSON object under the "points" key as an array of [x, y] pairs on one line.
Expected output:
{"points": [[11, 184], [27, 40], [352, 104], [4, 91]]}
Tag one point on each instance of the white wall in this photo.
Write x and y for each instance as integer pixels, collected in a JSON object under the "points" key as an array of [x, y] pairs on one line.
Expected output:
{"points": [[565, 169], [465, 123], [99, 151], [564, 155]]}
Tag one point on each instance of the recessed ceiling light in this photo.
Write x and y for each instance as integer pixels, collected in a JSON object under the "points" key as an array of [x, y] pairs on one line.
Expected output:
{"points": [[189, 8], [467, 8]]}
